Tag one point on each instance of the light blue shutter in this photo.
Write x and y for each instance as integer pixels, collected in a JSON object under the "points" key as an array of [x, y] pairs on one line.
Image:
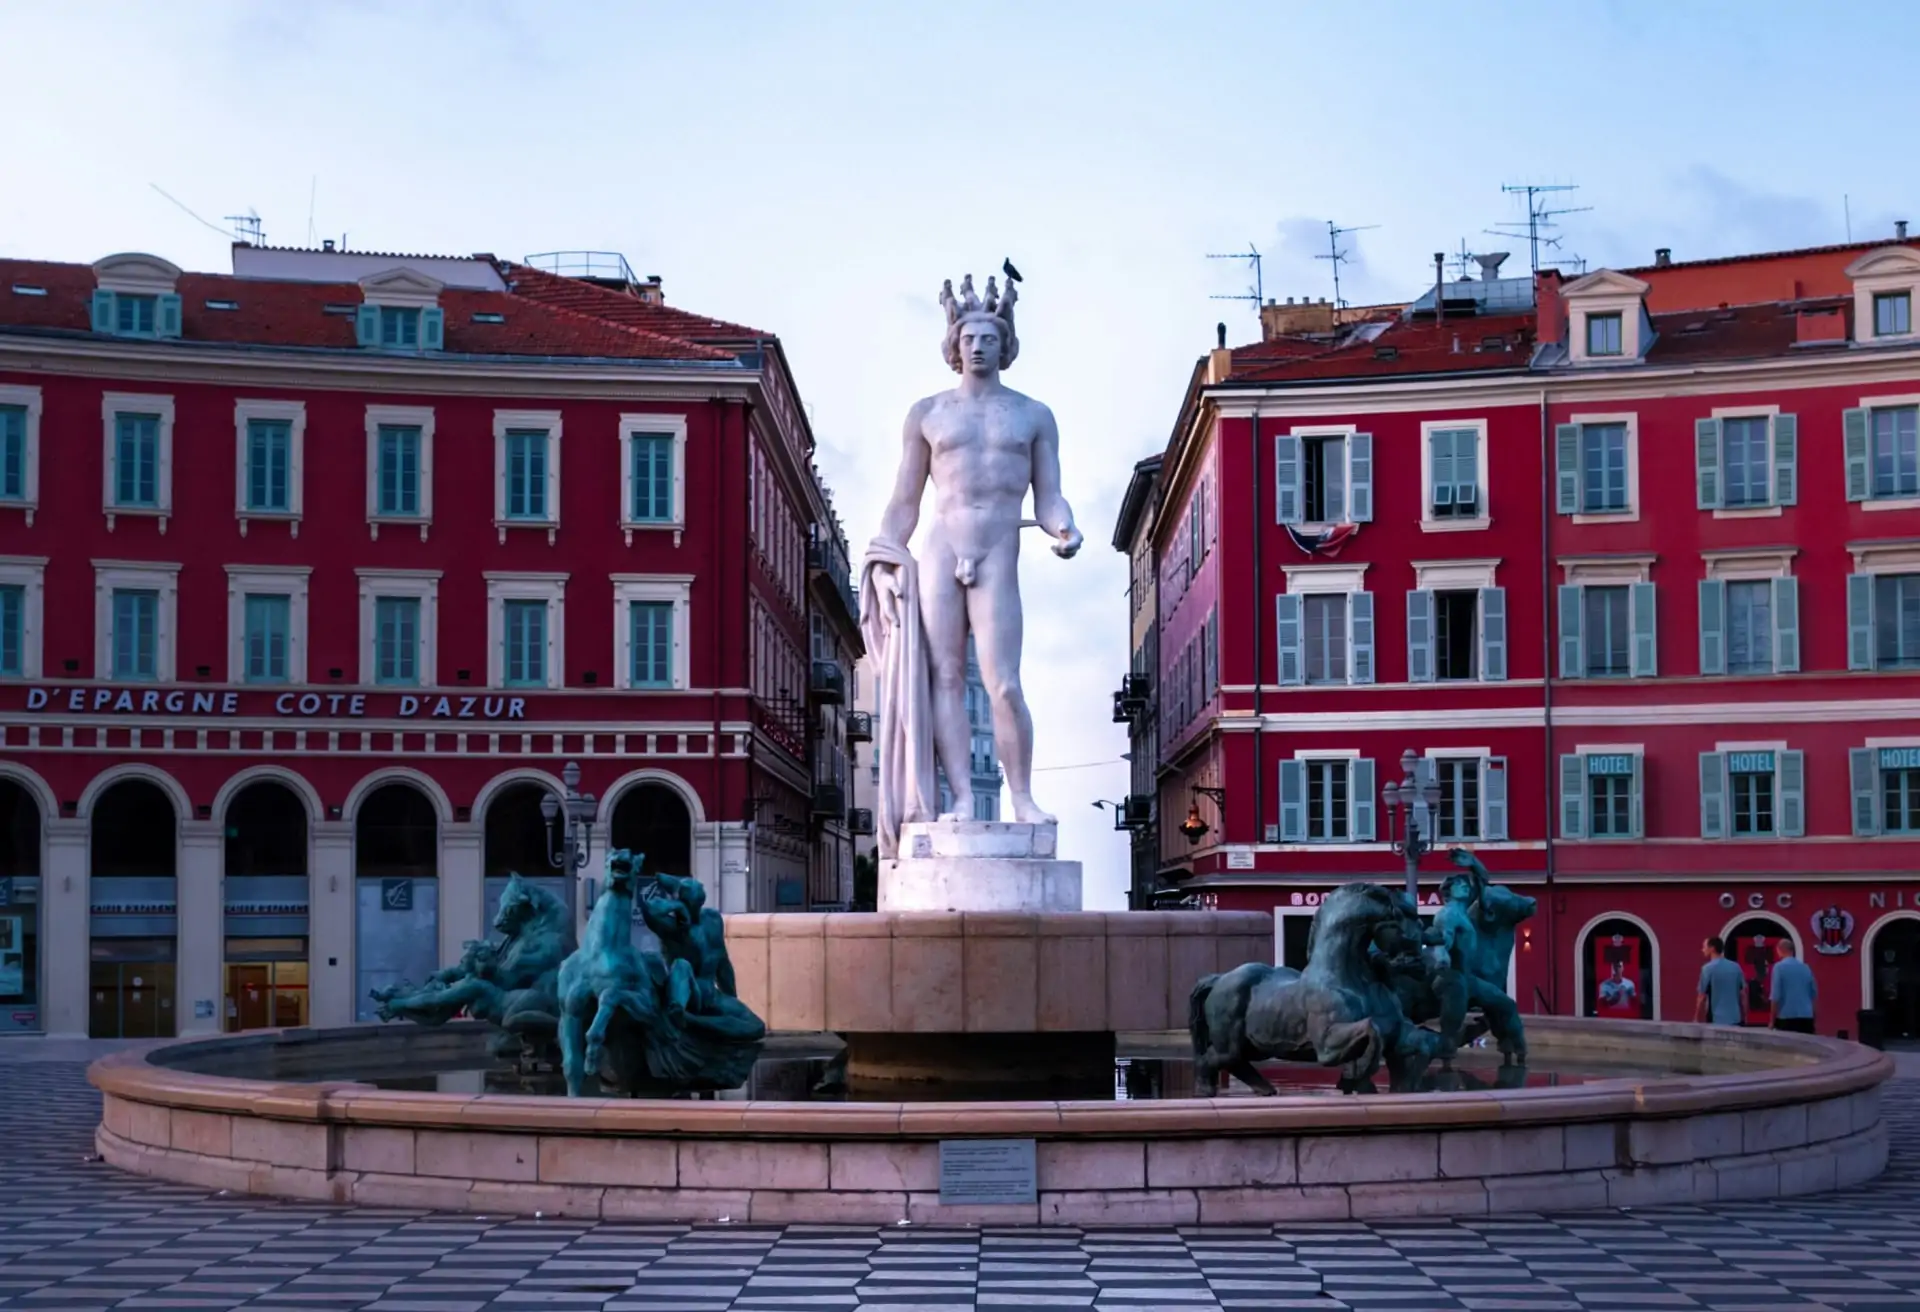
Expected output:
{"points": [[166, 317], [1713, 626], [433, 329], [1360, 478], [1286, 479], [1493, 793], [1293, 801], [1287, 638], [1859, 621], [366, 325], [1360, 637], [1361, 796], [1493, 634], [1854, 424], [1641, 624], [1573, 796], [1713, 795], [1420, 635], [1706, 463], [1466, 467], [1786, 460], [1636, 811], [1573, 660], [1440, 466], [1866, 791], [1566, 467], [102, 311], [1792, 814], [1786, 625]]}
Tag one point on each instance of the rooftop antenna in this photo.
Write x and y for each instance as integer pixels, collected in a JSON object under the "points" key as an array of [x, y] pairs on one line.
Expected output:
{"points": [[1846, 208], [1337, 257], [246, 227], [1539, 217], [181, 206], [313, 193], [1461, 259], [1255, 293]]}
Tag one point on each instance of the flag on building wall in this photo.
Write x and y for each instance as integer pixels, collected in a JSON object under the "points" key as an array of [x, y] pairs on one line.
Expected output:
{"points": [[1327, 542]]}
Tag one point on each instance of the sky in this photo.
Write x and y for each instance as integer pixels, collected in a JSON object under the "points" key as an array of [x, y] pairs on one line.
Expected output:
{"points": [[816, 170]]}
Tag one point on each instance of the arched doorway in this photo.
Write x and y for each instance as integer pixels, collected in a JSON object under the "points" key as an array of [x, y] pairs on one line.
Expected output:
{"points": [[396, 864], [1752, 945], [653, 818], [1617, 970], [516, 844], [1893, 948], [19, 908], [266, 907], [133, 864]]}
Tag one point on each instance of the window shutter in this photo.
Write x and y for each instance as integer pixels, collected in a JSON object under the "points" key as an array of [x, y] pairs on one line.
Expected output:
{"points": [[1641, 623], [1854, 425], [1636, 812], [1419, 636], [433, 329], [1293, 801], [1792, 817], [1360, 478], [1466, 467], [1566, 466], [1573, 661], [1786, 460], [1440, 466], [166, 316], [1493, 794], [1866, 791], [102, 311], [366, 325], [1713, 795], [1573, 796], [1287, 638], [1493, 634], [1713, 626], [1286, 478], [1706, 463], [1786, 625], [1361, 796], [1360, 637], [1859, 621]]}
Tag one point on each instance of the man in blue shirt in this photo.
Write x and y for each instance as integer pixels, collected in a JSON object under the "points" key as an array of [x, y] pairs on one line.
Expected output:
{"points": [[1792, 991], [1723, 987]]}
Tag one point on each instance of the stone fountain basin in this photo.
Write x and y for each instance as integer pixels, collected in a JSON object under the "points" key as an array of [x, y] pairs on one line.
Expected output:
{"points": [[1787, 1114]]}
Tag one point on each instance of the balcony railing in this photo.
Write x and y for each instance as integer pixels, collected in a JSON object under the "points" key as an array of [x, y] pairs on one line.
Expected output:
{"points": [[860, 822], [1131, 701], [860, 726], [828, 683]]}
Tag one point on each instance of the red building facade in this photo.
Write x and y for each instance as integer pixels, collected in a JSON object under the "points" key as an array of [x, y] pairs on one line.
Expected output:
{"points": [[1630, 576], [313, 576]]}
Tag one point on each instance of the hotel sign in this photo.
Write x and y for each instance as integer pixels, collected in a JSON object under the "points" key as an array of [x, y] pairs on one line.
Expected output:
{"points": [[293, 705]]}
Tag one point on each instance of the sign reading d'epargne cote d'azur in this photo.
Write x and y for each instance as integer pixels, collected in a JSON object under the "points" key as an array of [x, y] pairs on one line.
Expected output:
{"points": [[180, 701]]}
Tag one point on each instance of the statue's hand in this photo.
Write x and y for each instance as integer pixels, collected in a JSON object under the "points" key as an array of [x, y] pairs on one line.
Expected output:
{"points": [[1069, 544]]}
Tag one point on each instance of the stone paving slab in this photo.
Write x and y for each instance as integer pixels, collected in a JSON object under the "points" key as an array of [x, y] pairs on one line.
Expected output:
{"points": [[76, 1235]]}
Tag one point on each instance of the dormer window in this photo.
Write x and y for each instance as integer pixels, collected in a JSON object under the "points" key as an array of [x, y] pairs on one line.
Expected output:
{"points": [[1603, 334], [399, 327], [1884, 283], [1607, 319], [401, 312], [1892, 314], [134, 297]]}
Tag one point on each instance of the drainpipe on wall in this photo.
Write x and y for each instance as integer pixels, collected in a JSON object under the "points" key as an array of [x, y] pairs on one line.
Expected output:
{"points": [[1549, 773], [1257, 611]]}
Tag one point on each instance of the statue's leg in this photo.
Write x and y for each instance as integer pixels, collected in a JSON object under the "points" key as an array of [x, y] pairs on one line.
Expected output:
{"points": [[1244, 1070], [573, 1045], [1503, 1018], [597, 1032], [993, 611], [943, 614], [1451, 990], [680, 989]]}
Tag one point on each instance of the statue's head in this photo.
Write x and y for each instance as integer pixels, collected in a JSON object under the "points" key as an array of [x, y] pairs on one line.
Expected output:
{"points": [[980, 338], [623, 867], [521, 904]]}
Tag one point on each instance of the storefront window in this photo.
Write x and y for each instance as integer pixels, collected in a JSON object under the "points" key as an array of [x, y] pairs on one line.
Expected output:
{"points": [[19, 909], [1752, 946], [1617, 971]]}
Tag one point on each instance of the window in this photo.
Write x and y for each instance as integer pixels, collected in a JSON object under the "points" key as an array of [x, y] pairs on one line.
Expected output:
{"points": [[269, 465], [399, 476], [13, 630], [1896, 621], [400, 467], [399, 327], [136, 478], [1896, 452], [1323, 478], [1748, 460], [1603, 468], [1327, 799], [134, 297], [1612, 794], [136, 634], [526, 474], [652, 466], [13, 453], [22, 592], [1608, 639], [1455, 645], [134, 316], [396, 640], [1595, 466], [651, 642], [1459, 631], [1600, 794], [1325, 638], [1327, 820], [1454, 473], [526, 638], [1752, 792], [268, 626], [1892, 314], [1750, 777], [1607, 629], [526, 461], [1603, 334], [1900, 790], [1750, 626], [1459, 814]]}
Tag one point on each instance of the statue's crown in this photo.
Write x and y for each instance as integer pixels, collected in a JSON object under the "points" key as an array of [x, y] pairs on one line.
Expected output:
{"points": [[957, 308]]}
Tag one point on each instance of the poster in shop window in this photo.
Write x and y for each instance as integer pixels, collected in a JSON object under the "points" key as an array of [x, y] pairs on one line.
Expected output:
{"points": [[1616, 964], [13, 957], [1754, 953]]}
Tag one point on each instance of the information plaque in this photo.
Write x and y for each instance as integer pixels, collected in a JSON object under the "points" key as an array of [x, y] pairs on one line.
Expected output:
{"points": [[987, 1172]]}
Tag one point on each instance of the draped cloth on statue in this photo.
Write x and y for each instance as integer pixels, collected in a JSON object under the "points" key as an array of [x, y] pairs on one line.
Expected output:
{"points": [[891, 626]]}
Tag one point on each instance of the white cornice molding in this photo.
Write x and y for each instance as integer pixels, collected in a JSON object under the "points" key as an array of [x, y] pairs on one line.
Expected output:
{"points": [[1603, 283], [1896, 261], [137, 272]]}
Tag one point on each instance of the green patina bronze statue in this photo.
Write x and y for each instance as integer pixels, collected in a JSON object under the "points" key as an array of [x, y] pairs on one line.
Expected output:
{"points": [[1476, 927], [654, 1024], [510, 983]]}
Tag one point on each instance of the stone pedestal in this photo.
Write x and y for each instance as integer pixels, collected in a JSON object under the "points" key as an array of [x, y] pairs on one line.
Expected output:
{"points": [[979, 865]]}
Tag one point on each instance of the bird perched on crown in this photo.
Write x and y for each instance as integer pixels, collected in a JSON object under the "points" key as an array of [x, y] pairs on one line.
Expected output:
{"points": [[982, 445]]}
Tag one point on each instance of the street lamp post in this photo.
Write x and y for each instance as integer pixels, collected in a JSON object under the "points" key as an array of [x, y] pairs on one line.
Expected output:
{"points": [[576, 835], [1407, 802]]}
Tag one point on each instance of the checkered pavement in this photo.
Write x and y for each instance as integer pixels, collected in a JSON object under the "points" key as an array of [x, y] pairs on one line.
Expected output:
{"points": [[76, 1235]]}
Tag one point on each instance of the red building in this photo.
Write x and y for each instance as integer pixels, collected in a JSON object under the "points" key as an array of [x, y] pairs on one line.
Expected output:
{"points": [[1631, 562], [313, 576]]}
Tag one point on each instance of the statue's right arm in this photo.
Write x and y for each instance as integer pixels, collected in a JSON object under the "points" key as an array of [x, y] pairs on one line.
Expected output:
{"points": [[902, 514]]}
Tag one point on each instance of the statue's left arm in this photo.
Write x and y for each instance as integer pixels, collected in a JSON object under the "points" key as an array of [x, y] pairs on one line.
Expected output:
{"points": [[1049, 507]]}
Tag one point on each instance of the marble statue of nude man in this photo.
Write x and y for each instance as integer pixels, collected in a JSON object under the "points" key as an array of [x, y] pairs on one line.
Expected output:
{"points": [[982, 445]]}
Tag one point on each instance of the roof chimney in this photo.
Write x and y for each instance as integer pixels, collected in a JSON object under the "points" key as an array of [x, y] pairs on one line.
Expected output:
{"points": [[1439, 287], [1662, 256], [1220, 335], [1900, 229], [1490, 264], [327, 245]]}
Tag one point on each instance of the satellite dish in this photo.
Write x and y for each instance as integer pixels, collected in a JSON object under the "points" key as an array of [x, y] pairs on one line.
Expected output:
{"points": [[1490, 264]]}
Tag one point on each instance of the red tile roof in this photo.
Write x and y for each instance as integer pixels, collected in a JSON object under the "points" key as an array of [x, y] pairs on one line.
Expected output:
{"points": [[619, 307], [1746, 332], [1404, 348], [1753, 279]]}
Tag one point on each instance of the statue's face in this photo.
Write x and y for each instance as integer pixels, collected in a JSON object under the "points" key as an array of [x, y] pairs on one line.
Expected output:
{"points": [[980, 347]]}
